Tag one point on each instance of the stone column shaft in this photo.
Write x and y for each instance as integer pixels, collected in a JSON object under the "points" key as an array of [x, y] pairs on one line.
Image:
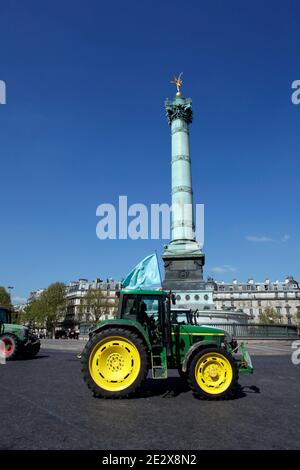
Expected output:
{"points": [[179, 114], [182, 195]]}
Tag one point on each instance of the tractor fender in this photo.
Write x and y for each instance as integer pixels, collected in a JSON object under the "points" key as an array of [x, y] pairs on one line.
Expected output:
{"points": [[193, 350], [128, 326]]}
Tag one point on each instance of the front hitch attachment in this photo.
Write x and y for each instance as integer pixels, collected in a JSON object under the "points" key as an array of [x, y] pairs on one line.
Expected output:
{"points": [[245, 365]]}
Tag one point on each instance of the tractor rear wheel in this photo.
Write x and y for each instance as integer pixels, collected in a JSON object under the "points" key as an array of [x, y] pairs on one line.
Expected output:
{"points": [[114, 363], [11, 345], [213, 373]]}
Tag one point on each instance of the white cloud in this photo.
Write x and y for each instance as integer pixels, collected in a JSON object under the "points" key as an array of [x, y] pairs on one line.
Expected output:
{"points": [[264, 239], [225, 268], [261, 239]]}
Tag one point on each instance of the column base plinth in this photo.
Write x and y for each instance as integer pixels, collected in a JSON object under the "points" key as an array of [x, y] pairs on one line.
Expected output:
{"points": [[183, 271]]}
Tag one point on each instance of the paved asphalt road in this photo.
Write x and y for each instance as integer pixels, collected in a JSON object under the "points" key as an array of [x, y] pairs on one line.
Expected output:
{"points": [[44, 404]]}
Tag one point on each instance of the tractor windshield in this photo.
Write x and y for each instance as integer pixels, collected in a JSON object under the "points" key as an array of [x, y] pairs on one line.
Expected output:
{"points": [[4, 316], [141, 307]]}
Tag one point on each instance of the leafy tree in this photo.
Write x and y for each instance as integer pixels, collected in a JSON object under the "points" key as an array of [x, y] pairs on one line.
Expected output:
{"points": [[35, 314], [18, 316], [5, 299], [53, 304], [269, 316], [297, 318], [95, 304], [48, 309], [115, 306]]}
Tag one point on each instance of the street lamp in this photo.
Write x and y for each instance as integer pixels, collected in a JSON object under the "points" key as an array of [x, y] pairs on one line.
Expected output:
{"points": [[10, 288]]}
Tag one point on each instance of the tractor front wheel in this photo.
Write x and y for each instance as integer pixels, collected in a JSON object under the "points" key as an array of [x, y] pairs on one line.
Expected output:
{"points": [[10, 344], [213, 373], [32, 351], [114, 363]]}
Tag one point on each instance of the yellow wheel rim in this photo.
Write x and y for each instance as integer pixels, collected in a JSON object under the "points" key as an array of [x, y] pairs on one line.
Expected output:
{"points": [[213, 373], [114, 363]]}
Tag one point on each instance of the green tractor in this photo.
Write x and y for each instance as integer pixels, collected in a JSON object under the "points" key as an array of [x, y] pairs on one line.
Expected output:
{"points": [[16, 340], [149, 334]]}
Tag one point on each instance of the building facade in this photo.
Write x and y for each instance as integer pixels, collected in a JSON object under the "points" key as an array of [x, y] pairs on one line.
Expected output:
{"points": [[35, 295], [80, 309], [253, 297], [250, 297]]}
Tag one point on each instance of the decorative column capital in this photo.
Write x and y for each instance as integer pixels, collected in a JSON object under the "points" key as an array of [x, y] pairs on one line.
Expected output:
{"points": [[179, 108]]}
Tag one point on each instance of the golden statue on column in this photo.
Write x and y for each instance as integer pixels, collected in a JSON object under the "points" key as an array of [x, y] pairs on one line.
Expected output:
{"points": [[178, 82]]}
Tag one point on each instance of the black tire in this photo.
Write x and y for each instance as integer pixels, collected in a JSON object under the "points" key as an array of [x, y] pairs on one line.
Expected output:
{"points": [[232, 383], [97, 390], [12, 340], [183, 375], [32, 351]]}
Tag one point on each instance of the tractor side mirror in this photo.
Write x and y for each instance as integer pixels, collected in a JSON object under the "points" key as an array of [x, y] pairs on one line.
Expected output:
{"points": [[172, 298]]}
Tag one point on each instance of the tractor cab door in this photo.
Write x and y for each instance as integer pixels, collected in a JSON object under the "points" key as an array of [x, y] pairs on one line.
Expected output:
{"points": [[148, 310], [5, 316]]}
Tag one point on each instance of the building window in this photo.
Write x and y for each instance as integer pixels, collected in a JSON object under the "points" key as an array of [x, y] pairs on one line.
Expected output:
{"points": [[259, 303], [187, 297], [278, 310], [196, 297]]}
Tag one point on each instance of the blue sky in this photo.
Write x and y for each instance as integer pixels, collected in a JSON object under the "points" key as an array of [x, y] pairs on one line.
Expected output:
{"points": [[85, 122]]}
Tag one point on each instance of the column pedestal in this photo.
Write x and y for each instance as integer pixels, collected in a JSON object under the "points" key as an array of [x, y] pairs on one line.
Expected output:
{"points": [[184, 272]]}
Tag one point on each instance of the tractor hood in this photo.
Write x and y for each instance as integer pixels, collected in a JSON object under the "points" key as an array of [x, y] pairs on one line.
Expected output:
{"points": [[209, 330], [19, 330]]}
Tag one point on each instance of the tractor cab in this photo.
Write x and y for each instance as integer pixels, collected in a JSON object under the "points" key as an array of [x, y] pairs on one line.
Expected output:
{"points": [[5, 316], [150, 309]]}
